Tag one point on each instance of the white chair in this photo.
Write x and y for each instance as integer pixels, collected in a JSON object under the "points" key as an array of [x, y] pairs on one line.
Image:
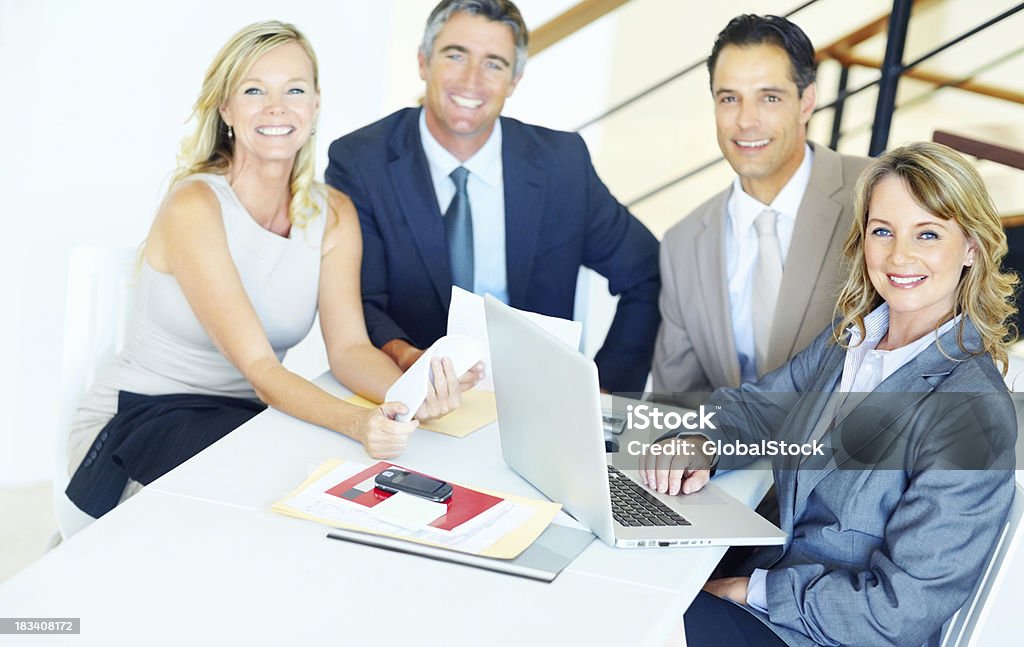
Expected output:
{"points": [[964, 628], [1015, 367], [99, 292], [594, 307]]}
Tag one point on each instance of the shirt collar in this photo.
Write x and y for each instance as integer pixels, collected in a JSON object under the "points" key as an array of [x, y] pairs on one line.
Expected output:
{"points": [[744, 208], [876, 325], [869, 367], [485, 164]]}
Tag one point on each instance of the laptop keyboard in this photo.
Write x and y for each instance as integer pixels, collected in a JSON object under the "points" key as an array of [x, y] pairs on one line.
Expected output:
{"points": [[632, 505]]}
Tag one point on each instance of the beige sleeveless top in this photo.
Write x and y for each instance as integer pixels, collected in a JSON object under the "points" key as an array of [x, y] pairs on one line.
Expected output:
{"points": [[166, 348]]}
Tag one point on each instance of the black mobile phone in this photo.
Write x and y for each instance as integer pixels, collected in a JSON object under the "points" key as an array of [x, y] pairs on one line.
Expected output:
{"points": [[396, 480]]}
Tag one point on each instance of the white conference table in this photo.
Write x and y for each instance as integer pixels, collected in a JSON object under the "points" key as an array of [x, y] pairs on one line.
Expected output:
{"points": [[198, 557]]}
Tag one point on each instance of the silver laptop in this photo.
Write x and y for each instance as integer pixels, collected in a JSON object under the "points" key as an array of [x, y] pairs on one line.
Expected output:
{"points": [[550, 423]]}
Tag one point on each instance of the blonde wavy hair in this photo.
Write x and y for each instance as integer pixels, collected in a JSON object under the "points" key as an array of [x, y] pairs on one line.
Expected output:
{"points": [[946, 185], [209, 149]]}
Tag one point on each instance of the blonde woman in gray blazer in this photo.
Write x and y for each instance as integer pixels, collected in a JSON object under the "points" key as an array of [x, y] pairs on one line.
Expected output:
{"points": [[890, 528]]}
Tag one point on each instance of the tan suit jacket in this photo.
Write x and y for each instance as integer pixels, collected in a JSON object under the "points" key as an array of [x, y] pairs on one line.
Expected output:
{"points": [[695, 351]]}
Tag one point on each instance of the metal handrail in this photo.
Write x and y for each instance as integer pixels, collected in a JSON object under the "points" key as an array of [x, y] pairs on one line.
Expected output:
{"points": [[964, 36], [952, 83], [838, 102], [677, 75], [685, 176]]}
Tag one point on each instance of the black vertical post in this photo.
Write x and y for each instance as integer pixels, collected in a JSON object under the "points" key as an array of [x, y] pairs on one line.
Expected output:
{"points": [[837, 109], [892, 68]]}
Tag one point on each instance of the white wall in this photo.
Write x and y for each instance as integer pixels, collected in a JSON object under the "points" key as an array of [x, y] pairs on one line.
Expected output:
{"points": [[104, 90], [102, 93]]}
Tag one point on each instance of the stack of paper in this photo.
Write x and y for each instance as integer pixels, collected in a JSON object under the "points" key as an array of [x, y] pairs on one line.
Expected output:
{"points": [[342, 494], [497, 532]]}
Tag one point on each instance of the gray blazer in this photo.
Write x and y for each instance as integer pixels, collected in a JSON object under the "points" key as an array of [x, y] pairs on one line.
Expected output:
{"points": [[888, 535], [695, 350]]}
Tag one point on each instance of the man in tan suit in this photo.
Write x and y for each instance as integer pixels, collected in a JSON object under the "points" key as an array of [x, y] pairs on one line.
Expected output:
{"points": [[750, 277]]}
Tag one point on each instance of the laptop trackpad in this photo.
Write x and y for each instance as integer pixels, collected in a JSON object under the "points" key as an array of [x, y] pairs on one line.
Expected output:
{"points": [[706, 496], [709, 495]]}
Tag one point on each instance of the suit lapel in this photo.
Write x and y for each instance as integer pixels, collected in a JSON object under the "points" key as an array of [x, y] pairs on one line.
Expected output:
{"points": [[712, 278], [869, 428], [414, 191], [524, 185], [872, 426], [810, 409], [815, 225]]}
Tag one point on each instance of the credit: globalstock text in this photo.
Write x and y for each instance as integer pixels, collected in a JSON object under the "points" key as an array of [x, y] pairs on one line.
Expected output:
{"points": [[712, 448]]}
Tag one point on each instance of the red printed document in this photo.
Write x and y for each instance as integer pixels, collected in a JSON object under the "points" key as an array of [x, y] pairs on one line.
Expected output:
{"points": [[342, 494], [463, 505]]}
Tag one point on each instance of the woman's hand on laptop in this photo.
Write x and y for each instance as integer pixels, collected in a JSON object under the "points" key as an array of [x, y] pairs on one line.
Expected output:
{"points": [[675, 465]]}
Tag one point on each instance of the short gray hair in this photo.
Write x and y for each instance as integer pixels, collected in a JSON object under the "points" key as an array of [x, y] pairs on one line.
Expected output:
{"points": [[501, 11]]}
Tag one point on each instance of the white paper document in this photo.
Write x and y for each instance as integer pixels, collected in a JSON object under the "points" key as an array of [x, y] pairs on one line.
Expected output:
{"points": [[466, 319], [411, 388], [408, 511], [472, 536]]}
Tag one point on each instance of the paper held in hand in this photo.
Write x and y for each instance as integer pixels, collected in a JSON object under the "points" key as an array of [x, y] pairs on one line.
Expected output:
{"points": [[466, 318], [411, 388], [466, 343]]}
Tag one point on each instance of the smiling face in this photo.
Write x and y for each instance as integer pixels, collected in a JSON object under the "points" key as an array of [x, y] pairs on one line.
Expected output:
{"points": [[760, 117], [273, 109], [469, 75], [914, 259]]}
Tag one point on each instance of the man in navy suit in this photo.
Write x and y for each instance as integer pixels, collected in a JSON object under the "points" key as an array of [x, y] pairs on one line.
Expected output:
{"points": [[453, 194]]}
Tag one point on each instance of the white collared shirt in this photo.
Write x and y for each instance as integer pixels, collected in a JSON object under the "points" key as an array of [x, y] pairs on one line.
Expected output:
{"points": [[741, 248], [486, 188], [865, 367]]}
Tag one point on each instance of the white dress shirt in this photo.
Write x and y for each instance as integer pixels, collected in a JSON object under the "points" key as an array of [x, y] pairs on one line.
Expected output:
{"points": [[486, 188], [863, 370], [741, 245]]}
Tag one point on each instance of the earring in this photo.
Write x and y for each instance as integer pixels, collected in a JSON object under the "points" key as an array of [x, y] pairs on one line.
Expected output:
{"points": [[231, 132], [313, 131]]}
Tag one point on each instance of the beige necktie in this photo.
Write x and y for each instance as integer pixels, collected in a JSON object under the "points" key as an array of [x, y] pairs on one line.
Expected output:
{"points": [[767, 278]]}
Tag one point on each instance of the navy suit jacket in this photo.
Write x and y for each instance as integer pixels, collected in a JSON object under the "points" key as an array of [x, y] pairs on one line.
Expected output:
{"points": [[558, 216], [890, 530]]}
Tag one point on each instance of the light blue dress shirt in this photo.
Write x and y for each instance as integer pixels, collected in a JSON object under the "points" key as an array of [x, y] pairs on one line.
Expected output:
{"points": [[486, 188]]}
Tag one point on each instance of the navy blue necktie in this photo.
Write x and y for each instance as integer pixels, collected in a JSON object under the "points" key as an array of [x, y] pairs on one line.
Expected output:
{"points": [[458, 224]]}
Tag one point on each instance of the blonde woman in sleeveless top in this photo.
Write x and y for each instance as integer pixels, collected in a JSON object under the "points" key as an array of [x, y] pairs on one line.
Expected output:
{"points": [[244, 251]]}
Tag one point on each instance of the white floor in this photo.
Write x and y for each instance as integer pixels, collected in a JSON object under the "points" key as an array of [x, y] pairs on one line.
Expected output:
{"points": [[26, 527]]}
